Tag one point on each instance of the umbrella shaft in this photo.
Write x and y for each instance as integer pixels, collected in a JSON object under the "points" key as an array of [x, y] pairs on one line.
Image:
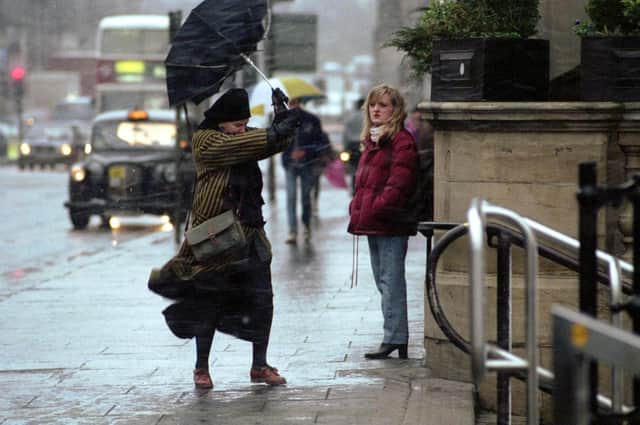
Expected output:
{"points": [[258, 70]]}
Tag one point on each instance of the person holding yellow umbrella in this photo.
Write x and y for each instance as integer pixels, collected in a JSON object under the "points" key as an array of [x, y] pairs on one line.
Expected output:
{"points": [[308, 148]]}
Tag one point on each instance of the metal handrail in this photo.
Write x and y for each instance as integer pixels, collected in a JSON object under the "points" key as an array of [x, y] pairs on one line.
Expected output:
{"points": [[616, 269], [504, 360], [568, 258], [477, 217]]}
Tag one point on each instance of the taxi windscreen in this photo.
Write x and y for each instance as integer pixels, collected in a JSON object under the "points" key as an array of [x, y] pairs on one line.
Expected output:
{"points": [[133, 134]]}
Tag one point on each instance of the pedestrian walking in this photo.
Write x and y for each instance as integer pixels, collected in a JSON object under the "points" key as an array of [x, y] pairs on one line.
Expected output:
{"points": [[231, 293], [325, 155], [300, 162], [385, 183]]}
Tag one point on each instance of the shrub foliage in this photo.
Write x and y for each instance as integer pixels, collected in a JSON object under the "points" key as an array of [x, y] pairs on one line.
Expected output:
{"points": [[611, 17], [448, 19]]}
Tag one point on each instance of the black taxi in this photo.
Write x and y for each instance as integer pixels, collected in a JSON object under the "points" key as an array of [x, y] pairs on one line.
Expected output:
{"points": [[132, 168]]}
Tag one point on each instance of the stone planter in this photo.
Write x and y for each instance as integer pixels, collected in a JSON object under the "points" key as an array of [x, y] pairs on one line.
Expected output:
{"points": [[610, 68], [496, 69]]}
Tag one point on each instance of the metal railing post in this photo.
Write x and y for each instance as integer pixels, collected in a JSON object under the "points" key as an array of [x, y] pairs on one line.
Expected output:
{"points": [[588, 235], [479, 348], [503, 318]]}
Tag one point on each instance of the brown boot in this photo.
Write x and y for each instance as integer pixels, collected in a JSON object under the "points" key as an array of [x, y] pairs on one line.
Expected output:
{"points": [[291, 239], [268, 375], [202, 379]]}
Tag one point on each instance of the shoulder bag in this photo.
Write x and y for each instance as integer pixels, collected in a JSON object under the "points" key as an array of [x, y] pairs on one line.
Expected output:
{"points": [[217, 236]]}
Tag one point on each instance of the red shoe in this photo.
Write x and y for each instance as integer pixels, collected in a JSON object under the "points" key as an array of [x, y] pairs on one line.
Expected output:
{"points": [[268, 375], [202, 379]]}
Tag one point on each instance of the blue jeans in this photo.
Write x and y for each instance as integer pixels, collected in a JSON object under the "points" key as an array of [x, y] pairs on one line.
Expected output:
{"points": [[388, 255], [305, 174]]}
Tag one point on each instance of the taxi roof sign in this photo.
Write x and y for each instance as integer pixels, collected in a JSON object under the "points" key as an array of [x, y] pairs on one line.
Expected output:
{"points": [[137, 115]]}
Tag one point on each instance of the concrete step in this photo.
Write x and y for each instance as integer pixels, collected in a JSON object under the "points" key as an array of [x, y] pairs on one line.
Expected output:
{"points": [[438, 402]]}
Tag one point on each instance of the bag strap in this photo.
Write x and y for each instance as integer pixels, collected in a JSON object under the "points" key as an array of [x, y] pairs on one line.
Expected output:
{"points": [[195, 178], [193, 196], [236, 212]]}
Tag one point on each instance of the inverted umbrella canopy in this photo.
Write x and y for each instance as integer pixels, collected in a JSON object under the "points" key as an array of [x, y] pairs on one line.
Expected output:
{"points": [[293, 87], [208, 47]]}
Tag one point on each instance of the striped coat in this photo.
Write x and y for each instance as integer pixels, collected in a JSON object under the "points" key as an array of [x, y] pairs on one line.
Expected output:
{"points": [[215, 153]]}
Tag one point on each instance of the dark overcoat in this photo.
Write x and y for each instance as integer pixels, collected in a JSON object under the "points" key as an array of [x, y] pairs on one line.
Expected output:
{"points": [[216, 293]]}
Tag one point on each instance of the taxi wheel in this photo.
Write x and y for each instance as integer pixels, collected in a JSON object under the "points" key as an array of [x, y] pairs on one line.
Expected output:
{"points": [[79, 220], [104, 221]]}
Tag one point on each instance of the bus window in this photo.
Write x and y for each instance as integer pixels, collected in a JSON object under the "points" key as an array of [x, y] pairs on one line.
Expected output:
{"points": [[137, 42]]}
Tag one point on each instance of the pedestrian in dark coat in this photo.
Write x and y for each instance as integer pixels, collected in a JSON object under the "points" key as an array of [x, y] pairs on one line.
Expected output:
{"points": [[300, 161], [385, 182], [231, 294]]}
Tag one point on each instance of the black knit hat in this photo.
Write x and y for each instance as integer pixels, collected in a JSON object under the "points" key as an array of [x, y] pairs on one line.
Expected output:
{"points": [[231, 106]]}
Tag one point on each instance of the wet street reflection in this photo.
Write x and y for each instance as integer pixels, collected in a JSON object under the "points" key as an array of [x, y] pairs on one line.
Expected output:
{"points": [[86, 341]]}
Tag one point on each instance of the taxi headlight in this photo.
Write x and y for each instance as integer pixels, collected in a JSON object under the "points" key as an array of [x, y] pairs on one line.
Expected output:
{"points": [[345, 156], [78, 173], [95, 168], [25, 149], [65, 149], [169, 173], [165, 172]]}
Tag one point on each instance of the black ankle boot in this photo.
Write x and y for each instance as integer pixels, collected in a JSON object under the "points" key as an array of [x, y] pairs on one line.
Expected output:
{"points": [[386, 349]]}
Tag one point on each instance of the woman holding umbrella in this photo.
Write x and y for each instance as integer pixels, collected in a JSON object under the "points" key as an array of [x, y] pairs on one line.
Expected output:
{"points": [[228, 294]]}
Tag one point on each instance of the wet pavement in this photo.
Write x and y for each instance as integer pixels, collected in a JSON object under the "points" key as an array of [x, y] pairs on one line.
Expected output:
{"points": [[88, 345]]}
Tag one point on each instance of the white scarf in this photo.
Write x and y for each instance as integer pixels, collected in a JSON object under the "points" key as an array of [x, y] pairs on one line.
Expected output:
{"points": [[375, 133]]}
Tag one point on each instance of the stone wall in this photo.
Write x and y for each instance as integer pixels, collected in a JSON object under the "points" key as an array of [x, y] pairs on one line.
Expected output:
{"points": [[522, 156]]}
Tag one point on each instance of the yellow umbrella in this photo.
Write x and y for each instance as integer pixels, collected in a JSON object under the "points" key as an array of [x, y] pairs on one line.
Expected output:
{"points": [[293, 87]]}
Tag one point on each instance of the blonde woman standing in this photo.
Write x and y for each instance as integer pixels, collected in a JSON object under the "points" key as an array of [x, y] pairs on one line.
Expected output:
{"points": [[385, 181]]}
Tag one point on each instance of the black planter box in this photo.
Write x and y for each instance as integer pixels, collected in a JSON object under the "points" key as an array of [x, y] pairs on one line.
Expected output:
{"points": [[610, 68], [497, 69]]}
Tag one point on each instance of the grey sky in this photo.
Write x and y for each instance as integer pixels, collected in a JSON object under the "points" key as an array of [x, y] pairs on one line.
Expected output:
{"points": [[345, 26]]}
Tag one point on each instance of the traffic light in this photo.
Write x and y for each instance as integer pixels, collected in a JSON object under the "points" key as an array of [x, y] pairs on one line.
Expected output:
{"points": [[17, 75]]}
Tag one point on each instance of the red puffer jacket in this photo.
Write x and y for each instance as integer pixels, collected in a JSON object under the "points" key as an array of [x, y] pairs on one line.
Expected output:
{"points": [[385, 182]]}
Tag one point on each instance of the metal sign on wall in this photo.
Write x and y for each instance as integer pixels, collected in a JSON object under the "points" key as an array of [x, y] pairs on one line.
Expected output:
{"points": [[293, 42]]}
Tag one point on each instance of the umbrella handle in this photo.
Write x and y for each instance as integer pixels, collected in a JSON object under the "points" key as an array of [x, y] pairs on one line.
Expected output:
{"points": [[280, 100]]}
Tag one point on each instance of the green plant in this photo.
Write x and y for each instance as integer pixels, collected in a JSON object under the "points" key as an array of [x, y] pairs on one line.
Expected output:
{"points": [[611, 17], [447, 19]]}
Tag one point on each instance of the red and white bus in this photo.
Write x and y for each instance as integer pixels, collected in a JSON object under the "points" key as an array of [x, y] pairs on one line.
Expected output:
{"points": [[130, 62]]}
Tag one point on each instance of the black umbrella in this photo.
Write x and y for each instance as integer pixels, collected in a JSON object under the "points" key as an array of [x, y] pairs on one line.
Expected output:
{"points": [[212, 44]]}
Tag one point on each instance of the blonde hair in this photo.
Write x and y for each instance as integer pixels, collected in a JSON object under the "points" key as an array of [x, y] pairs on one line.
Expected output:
{"points": [[396, 121]]}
